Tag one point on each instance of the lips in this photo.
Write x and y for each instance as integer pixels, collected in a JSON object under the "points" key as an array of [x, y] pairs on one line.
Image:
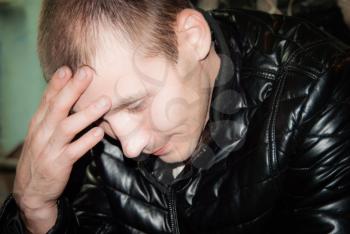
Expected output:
{"points": [[160, 151]]}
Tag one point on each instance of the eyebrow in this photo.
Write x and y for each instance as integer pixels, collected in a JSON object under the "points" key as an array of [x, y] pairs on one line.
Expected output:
{"points": [[126, 101]]}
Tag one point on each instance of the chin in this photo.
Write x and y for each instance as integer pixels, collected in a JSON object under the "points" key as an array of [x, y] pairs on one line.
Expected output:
{"points": [[173, 158], [170, 160]]}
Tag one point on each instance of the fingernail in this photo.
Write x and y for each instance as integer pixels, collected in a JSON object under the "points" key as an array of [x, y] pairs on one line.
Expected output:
{"points": [[102, 103], [61, 73], [81, 74], [97, 132]]}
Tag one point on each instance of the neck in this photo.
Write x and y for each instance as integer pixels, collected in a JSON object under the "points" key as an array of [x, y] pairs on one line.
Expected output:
{"points": [[212, 66]]}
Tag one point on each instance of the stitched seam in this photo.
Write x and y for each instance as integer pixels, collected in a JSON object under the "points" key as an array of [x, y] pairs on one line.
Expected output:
{"points": [[303, 71], [261, 74], [308, 69], [305, 49], [260, 70]]}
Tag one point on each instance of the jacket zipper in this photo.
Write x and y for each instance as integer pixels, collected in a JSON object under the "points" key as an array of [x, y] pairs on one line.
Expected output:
{"points": [[171, 199], [173, 214]]}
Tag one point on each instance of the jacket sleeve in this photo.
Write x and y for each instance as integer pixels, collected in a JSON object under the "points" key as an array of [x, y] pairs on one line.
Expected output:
{"points": [[317, 180], [87, 213]]}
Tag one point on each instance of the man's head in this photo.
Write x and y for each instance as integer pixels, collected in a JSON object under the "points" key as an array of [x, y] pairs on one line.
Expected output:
{"points": [[69, 29], [153, 60]]}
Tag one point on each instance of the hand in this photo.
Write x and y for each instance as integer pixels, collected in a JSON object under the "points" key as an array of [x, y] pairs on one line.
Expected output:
{"points": [[48, 154]]}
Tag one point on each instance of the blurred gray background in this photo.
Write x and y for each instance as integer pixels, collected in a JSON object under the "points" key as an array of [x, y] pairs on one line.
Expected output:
{"points": [[21, 84]]}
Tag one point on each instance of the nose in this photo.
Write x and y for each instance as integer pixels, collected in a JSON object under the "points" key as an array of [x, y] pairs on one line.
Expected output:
{"points": [[134, 144], [133, 135]]}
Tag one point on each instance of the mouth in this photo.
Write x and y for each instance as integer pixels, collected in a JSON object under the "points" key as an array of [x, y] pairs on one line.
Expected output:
{"points": [[160, 151]]}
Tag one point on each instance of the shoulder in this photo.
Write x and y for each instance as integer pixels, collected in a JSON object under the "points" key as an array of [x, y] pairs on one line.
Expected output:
{"points": [[286, 38], [276, 48], [290, 72]]}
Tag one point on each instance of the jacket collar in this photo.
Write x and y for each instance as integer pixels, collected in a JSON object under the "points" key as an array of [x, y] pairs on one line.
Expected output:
{"points": [[227, 125]]}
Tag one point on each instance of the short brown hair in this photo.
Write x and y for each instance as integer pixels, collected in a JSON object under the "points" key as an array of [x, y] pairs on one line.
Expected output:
{"points": [[68, 28]]}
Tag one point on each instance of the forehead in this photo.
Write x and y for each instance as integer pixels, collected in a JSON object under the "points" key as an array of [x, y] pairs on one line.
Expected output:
{"points": [[122, 71]]}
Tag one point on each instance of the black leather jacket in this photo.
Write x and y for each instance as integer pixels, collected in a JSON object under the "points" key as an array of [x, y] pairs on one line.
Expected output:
{"points": [[275, 155]]}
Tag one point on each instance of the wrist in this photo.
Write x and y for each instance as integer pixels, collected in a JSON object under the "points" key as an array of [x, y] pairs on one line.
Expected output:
{"points": [[37, 215], [39, 220], [32, 203]]}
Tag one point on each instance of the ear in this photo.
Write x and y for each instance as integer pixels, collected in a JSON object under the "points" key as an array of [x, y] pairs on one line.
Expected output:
{"points": [[193, 34]]}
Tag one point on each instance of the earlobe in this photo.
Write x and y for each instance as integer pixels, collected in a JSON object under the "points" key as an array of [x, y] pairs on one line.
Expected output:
{"points": [[194, 33]]}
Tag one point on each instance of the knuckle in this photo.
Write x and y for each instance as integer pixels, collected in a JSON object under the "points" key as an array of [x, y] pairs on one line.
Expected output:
{"points": [[88, 115], [70, 154], [65, 128], [35, 146], [45, 130], [57, 107]]}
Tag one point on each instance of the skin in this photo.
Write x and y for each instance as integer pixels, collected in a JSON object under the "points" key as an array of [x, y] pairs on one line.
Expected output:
{"points": [[168, 107], [345, 9]]}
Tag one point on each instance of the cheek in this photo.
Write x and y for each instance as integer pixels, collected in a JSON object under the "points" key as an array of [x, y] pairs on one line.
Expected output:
{"points": [[169, 111]]}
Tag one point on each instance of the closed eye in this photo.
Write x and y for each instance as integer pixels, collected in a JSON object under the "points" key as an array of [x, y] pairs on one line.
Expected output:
{"points": [[136, 107]]}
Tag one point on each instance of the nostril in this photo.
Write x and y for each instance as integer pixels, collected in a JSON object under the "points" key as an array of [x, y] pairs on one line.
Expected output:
{"points": [[131, 150], [134, 145], [129, 154]]}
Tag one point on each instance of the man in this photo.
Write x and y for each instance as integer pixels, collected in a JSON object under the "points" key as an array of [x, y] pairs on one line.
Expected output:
{"points": [[222, 122]]}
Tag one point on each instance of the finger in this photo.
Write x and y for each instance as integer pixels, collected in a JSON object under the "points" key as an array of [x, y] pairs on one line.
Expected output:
{"points": [[57, 82], [74, 124], [60, 106], [80, 147]]}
